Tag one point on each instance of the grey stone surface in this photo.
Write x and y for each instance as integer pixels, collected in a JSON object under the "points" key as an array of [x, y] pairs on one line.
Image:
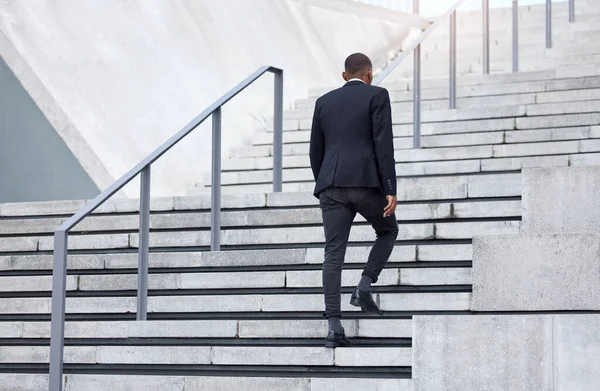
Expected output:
{"points": [[288, 199], [536, 273], [358, 357], [466, 210], [78, 330], [340, 384], [231, 280], [156, 260], [89, 242], [455, 153], [456, 353], [23, 382], [518, 163], [425, 302], [587, 106], [45, 262], [25, 305], [436, 168], [33, 283], [41, 354], [225, 303], [204, 383], [112, 282], [468, 230], [465, 139], [563, 96], [228, 201], [450, 252], [401, 253], [445, 276], [561, 200], [183, 329], [567, 120], [87, 305], [10, 330], [301, 302], [5, 263], [586, 146], [124, 383], [266, 355], [41, 208], [292, 328], [18, 244], [464, 114], [526, 136], [432, 192], [442, 128], [29, 226], [505, 185], [255, 257], [588, 159], [350, 278], [548, 148], [171, 239], [385, 328], [154, 354], [576, 352]]}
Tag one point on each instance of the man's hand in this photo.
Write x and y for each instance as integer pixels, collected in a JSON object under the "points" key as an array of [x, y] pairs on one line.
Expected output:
{"points": [[390, 209]]}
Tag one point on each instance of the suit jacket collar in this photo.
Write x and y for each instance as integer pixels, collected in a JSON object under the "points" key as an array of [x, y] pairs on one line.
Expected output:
{"points": [[354, 83]]}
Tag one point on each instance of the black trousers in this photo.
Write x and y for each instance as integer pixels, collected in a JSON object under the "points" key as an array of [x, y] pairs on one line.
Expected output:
{"points": [[339, 207]]}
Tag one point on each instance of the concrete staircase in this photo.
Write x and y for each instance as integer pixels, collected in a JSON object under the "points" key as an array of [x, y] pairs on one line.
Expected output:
{"points": [[250, 317]]}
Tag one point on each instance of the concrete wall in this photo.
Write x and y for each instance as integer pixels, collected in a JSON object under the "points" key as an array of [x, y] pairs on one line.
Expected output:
{"points": [[561, 200], [506, 353], [35, 163], [118, 78], [536, 273]]}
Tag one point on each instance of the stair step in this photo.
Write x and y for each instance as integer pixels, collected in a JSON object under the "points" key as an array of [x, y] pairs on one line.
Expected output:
{"points": [[36, 382], [432, 301]]}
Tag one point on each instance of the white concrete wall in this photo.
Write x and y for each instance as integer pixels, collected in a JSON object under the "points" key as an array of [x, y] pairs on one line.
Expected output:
{"points": [[559, 352], [128, 74]]}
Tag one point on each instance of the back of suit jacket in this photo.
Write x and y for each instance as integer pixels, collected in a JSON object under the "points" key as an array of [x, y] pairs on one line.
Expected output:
{"points": [[351, 143]]}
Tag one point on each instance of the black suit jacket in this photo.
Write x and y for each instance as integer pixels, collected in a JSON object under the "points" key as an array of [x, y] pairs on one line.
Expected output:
{"points": [[351, 142]]}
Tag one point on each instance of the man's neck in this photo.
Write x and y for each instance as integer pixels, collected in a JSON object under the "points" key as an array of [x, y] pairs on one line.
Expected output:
{"points": [[357, 79]]}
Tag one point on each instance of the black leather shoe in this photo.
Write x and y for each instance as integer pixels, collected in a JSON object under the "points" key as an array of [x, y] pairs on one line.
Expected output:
{"points": [[335, 340], [365, 301]]}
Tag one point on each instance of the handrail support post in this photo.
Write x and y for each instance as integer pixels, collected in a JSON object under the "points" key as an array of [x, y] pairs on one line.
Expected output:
{"points": [[144, 245], [215, 210], [278, 134], [548, 24], [571, 11], [417, 89], [515, 35], [59, 300], [453, 61], [486, 37]]}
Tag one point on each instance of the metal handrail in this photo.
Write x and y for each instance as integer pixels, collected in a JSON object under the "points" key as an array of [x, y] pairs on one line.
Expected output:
{"points": [[451, 15], [61, 234]]}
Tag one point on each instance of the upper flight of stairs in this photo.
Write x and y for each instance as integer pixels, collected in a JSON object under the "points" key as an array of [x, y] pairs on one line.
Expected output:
{"points": [[250, 317]]}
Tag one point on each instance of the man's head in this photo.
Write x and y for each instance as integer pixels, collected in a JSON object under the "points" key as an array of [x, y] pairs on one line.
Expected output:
{"points": [[358, 66]]}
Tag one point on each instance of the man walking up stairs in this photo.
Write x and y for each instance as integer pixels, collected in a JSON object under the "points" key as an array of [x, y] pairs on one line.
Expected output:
{"points": [[352, 159]]}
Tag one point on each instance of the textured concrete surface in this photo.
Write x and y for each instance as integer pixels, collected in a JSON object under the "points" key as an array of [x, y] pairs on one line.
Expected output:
{"points": [[151, 76], [506, 352], [494, 353], [561, 200], [536, 273]]}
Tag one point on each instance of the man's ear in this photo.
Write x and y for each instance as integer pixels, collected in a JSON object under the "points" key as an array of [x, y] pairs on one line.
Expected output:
{"points": [[345, 76]]}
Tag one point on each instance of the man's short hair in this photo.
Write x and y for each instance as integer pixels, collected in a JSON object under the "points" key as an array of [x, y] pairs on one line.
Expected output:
{"points": [[356, 63]]}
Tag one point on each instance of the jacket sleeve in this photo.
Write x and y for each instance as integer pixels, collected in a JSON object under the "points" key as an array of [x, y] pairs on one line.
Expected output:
{"points": [[317, 143], [383, 140]]}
